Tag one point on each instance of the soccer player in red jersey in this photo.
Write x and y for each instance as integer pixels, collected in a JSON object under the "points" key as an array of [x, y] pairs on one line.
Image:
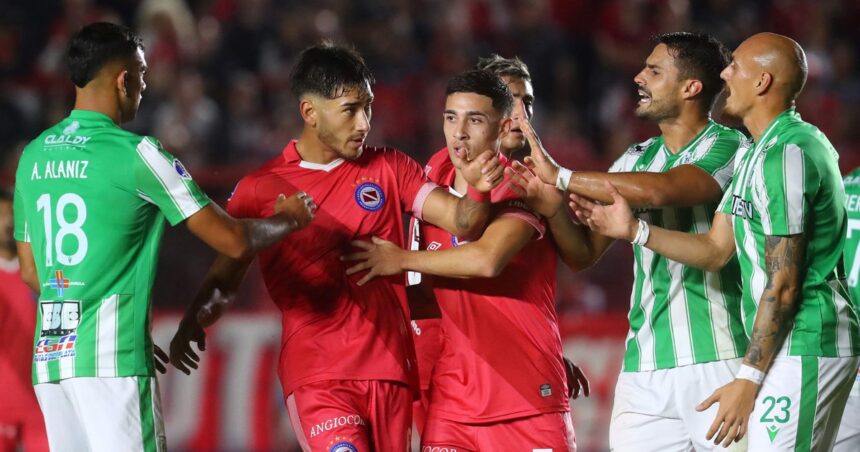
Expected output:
{"points": [[347, 364], [20, 418], [499, 382], [426, 316]]}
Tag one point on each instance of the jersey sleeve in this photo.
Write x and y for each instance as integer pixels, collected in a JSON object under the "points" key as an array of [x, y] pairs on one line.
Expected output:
{"points": [[789, 182], [414, 184], [725, 205], [718, 159], [161, 180], [508, 204], [414, 244], [21, 233], [242, 202], [627, 161]]}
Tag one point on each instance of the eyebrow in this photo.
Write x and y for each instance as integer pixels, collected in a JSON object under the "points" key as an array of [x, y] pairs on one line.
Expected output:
{"points": [[469, 113], [357, 103], [652, 66]]}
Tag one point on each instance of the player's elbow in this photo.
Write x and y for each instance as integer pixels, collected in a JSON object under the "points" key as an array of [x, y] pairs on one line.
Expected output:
{"points": [[490, 265], [238, 245]]}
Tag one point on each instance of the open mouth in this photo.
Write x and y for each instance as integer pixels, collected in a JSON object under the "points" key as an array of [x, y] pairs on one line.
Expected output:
{"points": [[644, 97]]}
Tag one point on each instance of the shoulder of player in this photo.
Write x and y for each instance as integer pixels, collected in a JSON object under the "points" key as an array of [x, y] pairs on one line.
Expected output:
{"points": [[852, 178]]}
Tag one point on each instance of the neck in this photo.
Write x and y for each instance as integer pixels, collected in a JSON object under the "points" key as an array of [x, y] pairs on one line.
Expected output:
{"points": [[460, 183], [509, 153], [760, 116], [679, 131], [94, 99], [312, 150]]}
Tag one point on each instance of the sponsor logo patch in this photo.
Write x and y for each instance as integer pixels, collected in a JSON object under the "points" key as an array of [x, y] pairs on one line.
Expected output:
{"points": [[180, 169], [60, 283], [545, 390], [741, 208], [60, 318], [52, 348], [342, 444], [369, 196], [335, 422], [433, 246], [72, 128]]}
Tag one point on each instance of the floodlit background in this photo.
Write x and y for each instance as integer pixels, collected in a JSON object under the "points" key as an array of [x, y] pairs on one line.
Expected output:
{"points": [[217, 97]]}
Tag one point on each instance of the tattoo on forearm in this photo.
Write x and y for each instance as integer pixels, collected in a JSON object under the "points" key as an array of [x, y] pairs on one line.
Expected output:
{"points": [[468, 212], [778, 305]]}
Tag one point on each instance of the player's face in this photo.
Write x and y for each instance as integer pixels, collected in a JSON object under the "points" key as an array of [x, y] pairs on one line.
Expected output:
{"points": [[344, 122], [134, 86], [523, 94], [472, 125], [659, 97], [6, 226], [739, 83]]}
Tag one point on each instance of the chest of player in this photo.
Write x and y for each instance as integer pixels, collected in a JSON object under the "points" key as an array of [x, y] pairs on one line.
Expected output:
{"points": [[353, 203]]}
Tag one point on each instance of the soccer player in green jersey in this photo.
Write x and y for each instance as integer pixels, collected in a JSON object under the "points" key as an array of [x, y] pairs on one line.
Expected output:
{"points": [[848, 438], [784, 216], [90, 203], [686, 335]]}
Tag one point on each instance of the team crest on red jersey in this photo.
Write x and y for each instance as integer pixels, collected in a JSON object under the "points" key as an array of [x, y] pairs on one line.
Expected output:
{"points": [[369, 196]]}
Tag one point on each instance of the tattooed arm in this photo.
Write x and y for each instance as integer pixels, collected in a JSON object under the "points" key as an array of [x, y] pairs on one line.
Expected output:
{"points": [[783, 259], [784, 256]]}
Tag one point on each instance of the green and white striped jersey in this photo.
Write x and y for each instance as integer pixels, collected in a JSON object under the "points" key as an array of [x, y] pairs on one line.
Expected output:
{"points": [[788, 183], [91, 199], [852, 240], [680, 315]]}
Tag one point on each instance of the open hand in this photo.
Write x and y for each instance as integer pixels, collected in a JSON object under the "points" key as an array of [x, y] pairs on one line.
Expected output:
{"points": [[736, 402], [380, 257], [182, 355], [576, 380], [484, 173], [539, 160], [541, 197], [300, 207], [615, 220]]}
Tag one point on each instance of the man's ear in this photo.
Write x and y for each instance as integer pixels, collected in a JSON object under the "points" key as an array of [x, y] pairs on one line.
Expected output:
{"points": [[122, 83], [764, 82], [692, 88], [308, 111]]}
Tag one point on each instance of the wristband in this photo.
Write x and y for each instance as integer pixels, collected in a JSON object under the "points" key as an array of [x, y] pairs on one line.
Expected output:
{"points": [[476, 195], [562, 181], [750, 373], [642, 233]]}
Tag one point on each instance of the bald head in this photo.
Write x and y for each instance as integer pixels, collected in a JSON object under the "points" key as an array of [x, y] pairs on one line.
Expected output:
{"points": [[781, 57]]}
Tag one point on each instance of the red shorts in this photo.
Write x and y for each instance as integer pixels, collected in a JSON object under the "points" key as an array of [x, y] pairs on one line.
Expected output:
{"points": [[543, 433], [428, 346], [352, 415]]}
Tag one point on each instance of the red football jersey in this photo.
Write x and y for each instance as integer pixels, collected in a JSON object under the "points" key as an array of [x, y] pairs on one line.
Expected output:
{"points": [[334, 329], [501, 355], [17, 323]]}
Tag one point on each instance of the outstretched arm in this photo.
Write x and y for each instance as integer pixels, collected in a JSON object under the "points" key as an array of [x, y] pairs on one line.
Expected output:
{"points": [[709, 251], [682, 186], [484, 258], [218, 291], [466, 216], [241, 239], [784, 263], [577, 246]]}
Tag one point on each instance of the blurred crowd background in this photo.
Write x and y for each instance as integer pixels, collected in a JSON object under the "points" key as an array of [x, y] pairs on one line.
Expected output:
{"points": [[217, 93]]}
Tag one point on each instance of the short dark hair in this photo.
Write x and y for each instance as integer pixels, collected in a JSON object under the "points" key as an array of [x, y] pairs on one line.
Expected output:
{"points": [[698, 56], [96, 45], [484, 83], [511, 67], [329, 70]]}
